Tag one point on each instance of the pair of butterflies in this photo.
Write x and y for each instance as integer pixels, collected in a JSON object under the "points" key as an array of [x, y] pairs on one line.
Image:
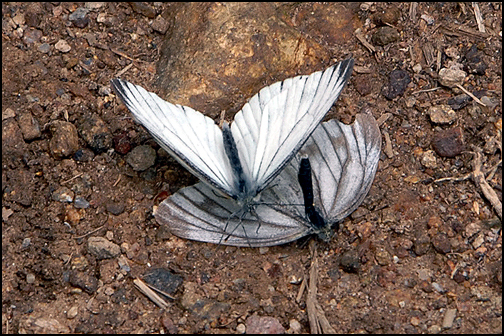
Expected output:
{"points": [[254, 172]]}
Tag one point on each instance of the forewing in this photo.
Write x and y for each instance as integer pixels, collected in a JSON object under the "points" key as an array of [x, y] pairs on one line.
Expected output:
{"points": [[275, 123], [191, 137]]}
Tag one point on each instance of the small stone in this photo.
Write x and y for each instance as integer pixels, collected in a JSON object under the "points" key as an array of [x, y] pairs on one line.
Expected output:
{"points": [[32, 36], [428, 19], [350, 261], [385, 35], [417, 68], [62, 46], [29, 126], [428, 159], [84, 281], [141, 157], [264, 325], [115, 208], [451, 77], [101, 248], [64, 141], [30, 278], [26, 243], [122, 143], [449, 317], [442, 114], [72, 312], [459, 101], [81, 203], [160, 25], [449, 143], [79, 18], [12, 138], [142, 8], [63, 195], [398, 82], [96, 133], [8, 113], [241, 329], [441, 243], [44, 48], [294, 327]]}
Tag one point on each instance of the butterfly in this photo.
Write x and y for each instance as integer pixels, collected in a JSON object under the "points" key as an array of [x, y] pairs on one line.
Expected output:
{"points": [[240, 159], [324, 183]]}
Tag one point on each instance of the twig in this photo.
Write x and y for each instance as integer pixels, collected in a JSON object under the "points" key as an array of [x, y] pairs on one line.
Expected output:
{"points": [[471, 95], [316, 316], [364, 42], [145, 290], [90, 233], [479, 18], [73, 178], [126, 68]]}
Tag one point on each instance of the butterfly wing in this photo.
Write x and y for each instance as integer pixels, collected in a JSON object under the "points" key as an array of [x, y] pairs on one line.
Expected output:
{"points": [[198, 213], [344, 159], [276, 122], [188, 135]]}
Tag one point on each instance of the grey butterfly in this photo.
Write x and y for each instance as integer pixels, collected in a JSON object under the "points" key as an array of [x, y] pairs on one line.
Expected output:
{"points": [[343, 158], [242, 159]]}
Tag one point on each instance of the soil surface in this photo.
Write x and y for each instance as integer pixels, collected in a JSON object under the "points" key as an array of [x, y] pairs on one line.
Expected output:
{"points": [[419, 255]]}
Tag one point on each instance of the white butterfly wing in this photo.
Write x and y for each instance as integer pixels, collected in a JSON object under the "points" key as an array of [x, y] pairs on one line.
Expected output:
{"points": [[344, 159], [188, 135], [276, 122], [198, 213]]}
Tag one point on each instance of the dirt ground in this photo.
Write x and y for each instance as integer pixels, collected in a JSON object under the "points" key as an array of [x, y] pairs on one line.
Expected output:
{"points": [[418, 256]]}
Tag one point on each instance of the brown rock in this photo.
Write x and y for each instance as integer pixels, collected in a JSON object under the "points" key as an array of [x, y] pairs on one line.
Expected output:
{"points": [[64, 140], [449, 143]]}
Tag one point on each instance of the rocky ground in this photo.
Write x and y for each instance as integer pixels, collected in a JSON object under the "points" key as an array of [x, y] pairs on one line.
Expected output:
{"points": [[423, 254]]}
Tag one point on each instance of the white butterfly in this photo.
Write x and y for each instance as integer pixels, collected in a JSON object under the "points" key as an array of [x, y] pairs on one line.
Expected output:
{"points": [[243, 159], [344, 159]]}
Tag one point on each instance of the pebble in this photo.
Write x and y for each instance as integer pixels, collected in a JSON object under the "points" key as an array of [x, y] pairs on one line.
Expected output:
{"points": [[459, 101], [32, 36], [62, 46], [29, 126], [81, 203], [449, 143], [163, 280], [428, 159], [64, 141], [72, 312], [8, 113], [442, 114], [122, 143], [160, 25], [42, 325], [26, 243], [398, 82], [101, 248], [84, 281], [30, 278], [421, 244], [441, 243], [115, 208], [474, 61], [79, 18], [169, 325], [385, 35], [12, 138], [449, 317], [294, 327], [350, 261], [123, 264], [44, 48], [143, 9], [141, 157], [63, 195], [437, 287], [264, 325], [451, 77], [96, 133], [241, 329]]}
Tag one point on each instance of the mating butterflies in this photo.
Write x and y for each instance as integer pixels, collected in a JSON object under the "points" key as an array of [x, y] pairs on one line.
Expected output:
{"points": [[343, 158], [240, 160]]}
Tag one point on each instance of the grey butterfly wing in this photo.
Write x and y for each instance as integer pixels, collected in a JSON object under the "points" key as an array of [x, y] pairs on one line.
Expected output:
{"points": [[344, 159], [198, 213]]}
